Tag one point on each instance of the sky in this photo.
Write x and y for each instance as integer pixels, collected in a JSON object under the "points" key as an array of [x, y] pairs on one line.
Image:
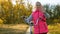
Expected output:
{"points": [[43, 2], [51, 2]]}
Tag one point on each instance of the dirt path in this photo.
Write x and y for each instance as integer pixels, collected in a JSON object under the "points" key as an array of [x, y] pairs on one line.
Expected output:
{"points": [[28, 30], [13, 29]]}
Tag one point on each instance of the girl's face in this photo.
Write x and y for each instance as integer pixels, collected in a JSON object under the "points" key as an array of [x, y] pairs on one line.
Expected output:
{"points": [[38, 5]]}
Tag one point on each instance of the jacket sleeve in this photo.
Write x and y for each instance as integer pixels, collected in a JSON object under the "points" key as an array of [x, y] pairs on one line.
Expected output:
{"points": [[44, 17], [28, 19], [47, 15]]}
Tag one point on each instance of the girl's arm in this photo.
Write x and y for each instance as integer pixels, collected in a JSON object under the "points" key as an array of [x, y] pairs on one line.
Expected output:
{"points": [[29, 19], [47, 15]]}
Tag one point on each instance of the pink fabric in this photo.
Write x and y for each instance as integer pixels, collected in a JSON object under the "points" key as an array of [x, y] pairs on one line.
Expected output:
{"points": [[40, 33], [41, 27]]}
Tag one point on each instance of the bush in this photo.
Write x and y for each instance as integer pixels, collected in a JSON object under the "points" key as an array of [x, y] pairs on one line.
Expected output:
{"points": [[1, 21]]}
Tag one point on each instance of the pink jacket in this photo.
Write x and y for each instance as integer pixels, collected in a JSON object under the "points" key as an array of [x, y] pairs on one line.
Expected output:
{"points": [[41, 26]]}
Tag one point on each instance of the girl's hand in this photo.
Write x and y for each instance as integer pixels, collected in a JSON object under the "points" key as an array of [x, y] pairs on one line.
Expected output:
{"points": [[31, 23]]}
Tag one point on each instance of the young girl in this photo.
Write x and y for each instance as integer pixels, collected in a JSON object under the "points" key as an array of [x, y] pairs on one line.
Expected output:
{"points": [[39, 19]]}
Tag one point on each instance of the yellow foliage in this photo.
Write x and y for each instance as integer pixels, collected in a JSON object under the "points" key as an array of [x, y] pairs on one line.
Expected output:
{"points": [[1, 21], [54, 29], [56, 20]]}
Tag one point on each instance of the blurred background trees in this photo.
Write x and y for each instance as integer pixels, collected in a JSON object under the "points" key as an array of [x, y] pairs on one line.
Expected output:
{"points": [[10, 13], [54, 11]]}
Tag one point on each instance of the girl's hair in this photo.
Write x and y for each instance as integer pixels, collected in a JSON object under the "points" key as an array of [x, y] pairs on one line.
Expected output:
{"points": [[38, 3]]}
